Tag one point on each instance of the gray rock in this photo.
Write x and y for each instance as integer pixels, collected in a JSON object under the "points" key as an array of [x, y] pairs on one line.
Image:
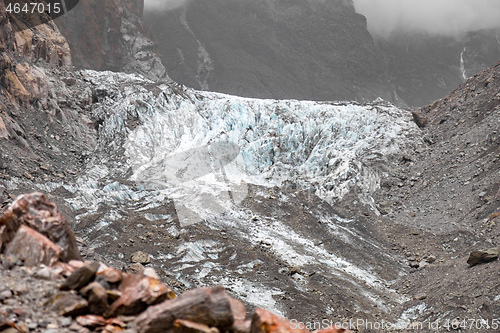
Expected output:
{"points": [[68, 304], [65, 322], [414, 264], [5, 294], [81, 277], [430, 259], [140, 257], [134, 268], [483, 256]]}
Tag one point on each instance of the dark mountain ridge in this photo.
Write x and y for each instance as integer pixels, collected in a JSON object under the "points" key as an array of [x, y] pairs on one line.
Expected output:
{"points": [[316, 50], [271, 49]]}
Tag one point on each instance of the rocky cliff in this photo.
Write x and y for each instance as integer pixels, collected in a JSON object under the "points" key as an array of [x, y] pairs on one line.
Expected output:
{"points": [[110, 35], [45, 129], [424, 67]]}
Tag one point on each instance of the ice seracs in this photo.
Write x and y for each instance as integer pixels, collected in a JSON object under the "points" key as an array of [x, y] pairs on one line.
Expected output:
{"points": [[203, 150]]}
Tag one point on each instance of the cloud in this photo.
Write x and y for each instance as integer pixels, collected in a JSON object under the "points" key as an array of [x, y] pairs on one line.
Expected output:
{"points": [[443, 17], [163, 5]]}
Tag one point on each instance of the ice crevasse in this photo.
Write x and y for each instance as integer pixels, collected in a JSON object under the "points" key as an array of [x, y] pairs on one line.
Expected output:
{"points": [[190, 143]]}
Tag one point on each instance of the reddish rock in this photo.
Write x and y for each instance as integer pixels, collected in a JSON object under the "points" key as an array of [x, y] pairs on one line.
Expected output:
{"points": [[93, 321], [33, 248], [208, 306], [67, 269], [333, 330], [241, 326], [137, 293], [36, 212], [109, 274], [112, 329], [76, 264], [264, 321], [238, 309], [186, 326]]}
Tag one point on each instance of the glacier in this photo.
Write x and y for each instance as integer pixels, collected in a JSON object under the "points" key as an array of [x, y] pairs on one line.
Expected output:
{"points": [[215, 156], [329, 147]]}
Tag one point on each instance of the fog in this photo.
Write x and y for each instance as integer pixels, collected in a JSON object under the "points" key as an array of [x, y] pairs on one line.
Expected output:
{"points": [[387, 17], [163, 5], [443, 17]]}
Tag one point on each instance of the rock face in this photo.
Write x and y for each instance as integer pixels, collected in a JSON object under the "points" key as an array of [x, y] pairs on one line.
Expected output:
{"points": [[41, 103], [319, 50], [109, 35], [21, 80]]}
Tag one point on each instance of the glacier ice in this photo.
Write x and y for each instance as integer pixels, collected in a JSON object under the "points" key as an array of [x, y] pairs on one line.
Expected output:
{"points": [[329, 147], [203, 150]]}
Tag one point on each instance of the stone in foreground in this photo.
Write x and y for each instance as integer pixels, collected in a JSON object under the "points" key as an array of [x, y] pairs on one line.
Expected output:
{"points": [[264, 321], [35, 211], [483, 256], [207, 306], [33, 248], [81, 277], [137, 293]]}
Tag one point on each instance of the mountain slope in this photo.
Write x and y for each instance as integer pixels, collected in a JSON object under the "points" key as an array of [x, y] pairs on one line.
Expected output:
{"points": [[271, 49], [313, 50], [451, 190]]}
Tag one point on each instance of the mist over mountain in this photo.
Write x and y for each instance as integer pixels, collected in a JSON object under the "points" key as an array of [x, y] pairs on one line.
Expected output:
{"points": [[387, 18], [325, 50]]}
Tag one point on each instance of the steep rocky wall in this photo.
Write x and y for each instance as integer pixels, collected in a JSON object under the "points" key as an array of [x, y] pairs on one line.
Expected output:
{"points": [[109, 35], [44, 129]]}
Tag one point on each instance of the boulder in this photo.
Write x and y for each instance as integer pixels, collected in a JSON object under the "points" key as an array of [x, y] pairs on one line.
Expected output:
{"points": [[264, 321], [238, 310], [35, 211], [419, 119], [109, 274], [483, 256], [81, 277], [33, 248], [208, 306], [140, 257], [242, 326], [97, 297], [93, 321], [137, 293], [67, 303], [186, 326]]}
